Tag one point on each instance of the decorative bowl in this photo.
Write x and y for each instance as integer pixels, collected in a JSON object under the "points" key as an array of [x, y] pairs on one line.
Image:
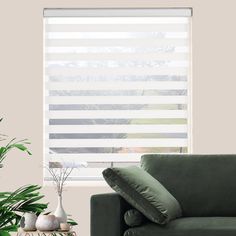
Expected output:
{"points": [[47, 223], [27, 222]]}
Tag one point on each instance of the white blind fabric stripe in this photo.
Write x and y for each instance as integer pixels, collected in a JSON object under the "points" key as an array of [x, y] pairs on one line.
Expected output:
{"points": [[116, 20], [116, 100], [118, 143], [119, 28], [104, 157], [149, 56], [116, 86], [117, 114]]}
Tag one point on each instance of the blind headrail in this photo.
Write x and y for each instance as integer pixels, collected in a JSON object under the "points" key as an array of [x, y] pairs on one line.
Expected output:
{"points": [[118, 12]]}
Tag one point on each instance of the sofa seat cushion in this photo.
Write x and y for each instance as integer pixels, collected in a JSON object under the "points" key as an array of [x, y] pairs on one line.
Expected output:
{"points": [[190, 226]]}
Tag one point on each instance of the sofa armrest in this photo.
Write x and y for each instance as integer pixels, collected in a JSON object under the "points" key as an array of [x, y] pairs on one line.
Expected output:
{"points": [[107, 214]]}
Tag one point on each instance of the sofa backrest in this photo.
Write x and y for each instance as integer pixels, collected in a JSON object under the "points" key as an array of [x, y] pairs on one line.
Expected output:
{"points": [[204, 185]]}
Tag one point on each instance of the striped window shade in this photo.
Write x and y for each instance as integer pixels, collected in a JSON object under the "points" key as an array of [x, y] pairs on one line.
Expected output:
{"points": [[117, 86]]}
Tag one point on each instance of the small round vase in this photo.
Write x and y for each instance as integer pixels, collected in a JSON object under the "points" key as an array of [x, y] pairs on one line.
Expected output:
{"points": [[28, 221], [60, 212], [47, 223]]}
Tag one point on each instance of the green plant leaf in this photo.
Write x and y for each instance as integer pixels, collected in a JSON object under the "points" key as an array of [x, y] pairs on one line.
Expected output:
{"points": [[29, 152], [10, 228], [72, 222], [47, 213], [20, 146], [12, 144], [4, 233]]}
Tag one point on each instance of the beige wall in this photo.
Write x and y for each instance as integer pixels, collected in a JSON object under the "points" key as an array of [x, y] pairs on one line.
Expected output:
{"points": [[21, 88]]}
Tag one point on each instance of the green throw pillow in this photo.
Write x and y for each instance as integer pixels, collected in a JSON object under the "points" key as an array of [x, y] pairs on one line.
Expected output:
{"points": [[144, 193], [134, 218]]}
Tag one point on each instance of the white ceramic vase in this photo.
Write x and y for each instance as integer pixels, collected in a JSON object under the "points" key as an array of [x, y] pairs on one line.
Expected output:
{"points": [[28, 221], [60, 212], [47, 223]]}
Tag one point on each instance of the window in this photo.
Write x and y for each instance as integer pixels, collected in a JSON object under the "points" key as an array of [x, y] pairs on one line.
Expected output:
{"points": [[116, 86]]}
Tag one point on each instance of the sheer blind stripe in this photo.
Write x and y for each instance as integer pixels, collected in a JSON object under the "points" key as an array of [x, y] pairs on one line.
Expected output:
{"points": [[116, 86], [170, 128], [166, 85]]}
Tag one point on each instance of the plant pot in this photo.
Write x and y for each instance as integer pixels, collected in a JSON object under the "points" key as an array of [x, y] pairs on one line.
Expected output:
{"points": [[1, 165]]}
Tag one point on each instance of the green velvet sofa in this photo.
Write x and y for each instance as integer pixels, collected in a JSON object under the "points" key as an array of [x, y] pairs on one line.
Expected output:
{"points": [[204, 185]]}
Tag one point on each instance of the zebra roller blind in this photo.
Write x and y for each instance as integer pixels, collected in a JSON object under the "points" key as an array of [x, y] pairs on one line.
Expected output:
{"points": [[116, 86]]}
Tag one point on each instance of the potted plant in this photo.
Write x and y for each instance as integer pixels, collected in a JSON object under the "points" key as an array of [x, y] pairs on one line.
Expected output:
{"points": [[24, 199]]}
